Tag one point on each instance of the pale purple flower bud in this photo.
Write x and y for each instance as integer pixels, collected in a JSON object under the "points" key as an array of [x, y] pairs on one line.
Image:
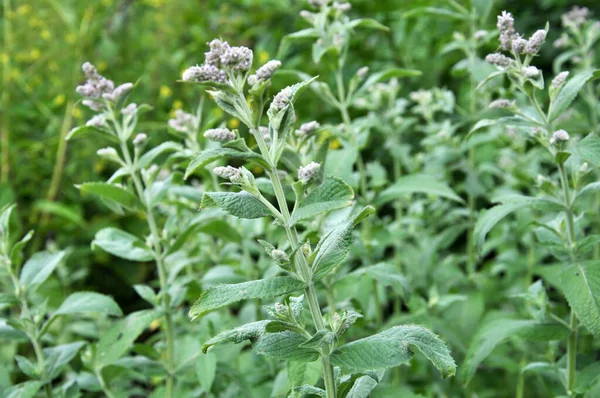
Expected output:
{"points": [[97, 121], [559, 136], [501, 103], [308, 172], [480, 34], [219, 135], [227, 172], [217, 48], [362, 72], [531, 72], [89, 70], [129, 110], [107, 152], [267, 70], [576, 17], [560, 79], [184, 122], [499, 60], [282, 99], [309, 127], [343, 7], [584, 167], [535, 42], [519, 44], [562, 41], [140, 139], [118, 92], [307, 15], [92, 104], [238, 58], [203, 73], [280, 256], [506, 26]]}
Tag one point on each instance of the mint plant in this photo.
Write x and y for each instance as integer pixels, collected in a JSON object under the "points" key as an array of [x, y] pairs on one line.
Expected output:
{"points": [[346, 368]]}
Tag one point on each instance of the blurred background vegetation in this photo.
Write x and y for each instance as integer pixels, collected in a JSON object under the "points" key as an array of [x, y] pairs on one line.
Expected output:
{"points": [[44, 43]]}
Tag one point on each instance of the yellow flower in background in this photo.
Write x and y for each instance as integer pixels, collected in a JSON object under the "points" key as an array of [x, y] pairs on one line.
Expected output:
{"points": [[101, 66], [46, 35], [53, 66], [335, 144], [155, 324], [263, 57], [257, 170], [60, 100], [107, 3], [233, 123], [70, 38], [24, 9], [4, 58], [77, 114], [34, 54], [165, 91], [99, 166], [35, 22]]}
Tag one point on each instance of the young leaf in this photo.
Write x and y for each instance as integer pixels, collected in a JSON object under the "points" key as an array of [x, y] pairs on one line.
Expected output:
{"points": [[420, 183], [147, 158], [59, 356], [39, 267], [332, 194], [222, 295], [210, 155], [334, 245], [367, 23], [286, 345], [495, 331], [386, 75], [589, 149], [122, 244], [391, 348], [569, 91], [250, 331], [89, 302], [239, 204], [112, 192], [581, 284]]}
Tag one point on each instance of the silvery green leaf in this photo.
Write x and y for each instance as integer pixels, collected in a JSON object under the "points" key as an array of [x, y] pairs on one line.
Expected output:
{"points": [[304, 34], [581, 284], [495, 331], [319, 339], [206, 367], [147, 293], [122, 244], [230, 103], [84, 130], [286, 345], [589, 149], [417, 183], [250, 331], [210, 155], [586, 377], [310, 390], [58, 356], [569, 91], [334, 245], [89, 302], [332, 194], [147, 158], [113, 193], [222, 295], [27, 389], [239, 204], [386, 75], [39, 267], [392, 348], [362, 387], [27, 367]]}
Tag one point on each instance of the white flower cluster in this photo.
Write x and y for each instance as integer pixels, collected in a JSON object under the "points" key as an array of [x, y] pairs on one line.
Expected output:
{"points": [[308, 172], [219, 135], [309, 127], [220, 56], [510, 40], [184, 122], [499, 60], [559, 136], [264, 72], [98, 87], [501, 103], [227, 172], [282, 99], [576, 17]]}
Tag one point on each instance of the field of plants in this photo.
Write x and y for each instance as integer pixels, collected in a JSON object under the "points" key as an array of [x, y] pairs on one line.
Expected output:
{"points": [[299, 198]]}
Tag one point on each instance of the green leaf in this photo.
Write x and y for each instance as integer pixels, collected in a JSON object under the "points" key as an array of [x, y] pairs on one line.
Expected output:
{"points": [[206, 369], [435, 11], [569, 91], [147, 293], [319, 339], [367, 23], [491, 217], [210, 155], [27, 389], [495, 331], [483, 123], [39, 267], [250, 331], [89, 302], [332, 194], [239, 204], [386, 75], [122, 244], [120, 337], [586, 378], [334, 245], [59, 356], [589, 149], [60, 210], [362, 387], [113, 193], [392, 348], [222, 295], [83, 130], [581, 284], [286, 345], [307, 389], [417, 183], [304, 34], [147, 158]]}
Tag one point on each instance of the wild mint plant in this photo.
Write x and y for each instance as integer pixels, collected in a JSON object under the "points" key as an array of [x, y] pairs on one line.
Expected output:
{"points": [[351, 369], [562, 229]]}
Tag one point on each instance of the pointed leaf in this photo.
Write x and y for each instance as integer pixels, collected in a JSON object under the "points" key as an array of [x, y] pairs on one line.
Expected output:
{"points": [[89, 302], [332, 194], [250, 331], [581, 284], [239, 204], [418, 183], [362, 387], [168, 146], [59, 356], [122, 244], [210, 155], [112, 192], [569, 91], [39, 267], [286, 345], [589, 149]]}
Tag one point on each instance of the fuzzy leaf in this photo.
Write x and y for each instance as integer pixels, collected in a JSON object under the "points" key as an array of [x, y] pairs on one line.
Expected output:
{"points": [[222, 295], [239, 204], [362, 387], [39, 267], [286, 345], [332, 194], [581, 284], [112, 192], [89, 302], [367, 23], [417, 183], [250, 331], [58, 357], [27, 389], [210, 155], [386, 75], [569, 91], [168, 146], [589, 149], [392, 348], [122, 244]]}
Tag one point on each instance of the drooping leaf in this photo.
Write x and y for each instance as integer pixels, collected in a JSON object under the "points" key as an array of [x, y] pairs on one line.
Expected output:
{"points": [[569, 91], [210, 155], [89, 302], [239, 204], [39, 267], [222, 295], [418, 183], [332, 194], [112, 192], [581, 284], [250, 331], [495, 331], [367, 23], [122, 244], [286, 345], [391, 348]]}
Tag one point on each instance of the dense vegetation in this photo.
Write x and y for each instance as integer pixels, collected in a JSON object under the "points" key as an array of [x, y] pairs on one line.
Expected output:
{"points": [[299, 199]]}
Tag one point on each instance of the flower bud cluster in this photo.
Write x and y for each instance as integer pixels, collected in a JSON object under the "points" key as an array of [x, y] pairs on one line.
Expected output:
{"points": [[264, 72], [559, 136], [560, 79], [307, 128], [98, 87], [184, 122], [219, 135], [221, 56], [282, 99], [308, 172]]}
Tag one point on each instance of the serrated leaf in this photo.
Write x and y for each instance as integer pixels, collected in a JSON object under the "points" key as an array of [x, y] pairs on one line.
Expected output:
{"points": [[569, 91], [334, 245], [286, 345], [210, 155], [39, 267], [239, 204], [122, 244], [581, 285], [319, 339], [89, 302], [589, 149], [307, 389], [417, 183], [391, 348], [495, 331], [250, 331], [222, 295], [332, 194], [120, 337], [112, 192]]}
